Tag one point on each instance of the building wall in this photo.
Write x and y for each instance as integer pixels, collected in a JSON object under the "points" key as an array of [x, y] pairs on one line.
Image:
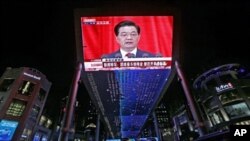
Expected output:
{"points": [[23, 92], [224, 95], [164, 122]]}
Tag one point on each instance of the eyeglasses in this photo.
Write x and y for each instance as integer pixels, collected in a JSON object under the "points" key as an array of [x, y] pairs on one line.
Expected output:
{"points": [[132, 34]]}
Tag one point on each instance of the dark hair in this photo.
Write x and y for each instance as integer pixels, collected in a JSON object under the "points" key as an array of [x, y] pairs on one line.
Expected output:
{"points": [[126, 23]]}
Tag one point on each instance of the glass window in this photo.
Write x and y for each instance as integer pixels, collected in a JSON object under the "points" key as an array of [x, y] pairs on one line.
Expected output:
{"points": [[229, 97], [16, 108], [42, 120], [26, 88], [41, 95], [26, 134], [5, 85], [35, 111], [237, 110], [48, 123], [216, 117], [182, 119], [210, 103], [37, 136]]}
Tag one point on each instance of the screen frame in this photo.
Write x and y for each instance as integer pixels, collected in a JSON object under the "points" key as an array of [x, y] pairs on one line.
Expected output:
{"points": [[129, 11], [167, 11]]}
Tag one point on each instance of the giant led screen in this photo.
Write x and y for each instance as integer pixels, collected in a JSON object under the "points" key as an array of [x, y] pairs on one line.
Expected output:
{"points": [[126, 66], [107, 39]]}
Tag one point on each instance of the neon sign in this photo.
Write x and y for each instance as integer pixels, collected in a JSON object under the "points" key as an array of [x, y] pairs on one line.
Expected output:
{"points": [[224, 87]]}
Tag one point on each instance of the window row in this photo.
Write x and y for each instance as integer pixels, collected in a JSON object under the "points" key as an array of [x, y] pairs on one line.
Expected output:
{"points": [[17, 108], [26, 88]]}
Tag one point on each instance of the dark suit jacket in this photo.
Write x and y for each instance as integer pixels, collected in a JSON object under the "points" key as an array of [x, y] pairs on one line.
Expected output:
{"points": [[139, 54]]}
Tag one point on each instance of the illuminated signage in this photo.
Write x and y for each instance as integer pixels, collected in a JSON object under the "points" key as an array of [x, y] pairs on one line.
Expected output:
{"points": [[7, 129], [224, 87], [33, 76]]}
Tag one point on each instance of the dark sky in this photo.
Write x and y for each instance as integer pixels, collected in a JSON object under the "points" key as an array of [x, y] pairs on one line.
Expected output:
{"points": [[41, 35]]}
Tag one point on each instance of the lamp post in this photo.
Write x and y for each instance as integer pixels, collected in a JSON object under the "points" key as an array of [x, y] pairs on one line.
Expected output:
{"points": [[190, 100], [66, 129]]}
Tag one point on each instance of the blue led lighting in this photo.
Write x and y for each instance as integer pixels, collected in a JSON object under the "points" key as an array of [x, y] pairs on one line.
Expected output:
{"points": [[125, 98], [140, 89]]}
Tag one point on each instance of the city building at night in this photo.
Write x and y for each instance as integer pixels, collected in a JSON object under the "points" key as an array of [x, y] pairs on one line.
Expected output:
{"points": [[58, 126], [89, 125], [43, 129], [184, 128], [23, 93], [164, 122], [222, 96], [148, 128], [83, 121]]}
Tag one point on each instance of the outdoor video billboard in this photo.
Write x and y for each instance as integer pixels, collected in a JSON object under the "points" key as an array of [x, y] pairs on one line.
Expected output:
{"points": [[127, 64], [99, 40]]}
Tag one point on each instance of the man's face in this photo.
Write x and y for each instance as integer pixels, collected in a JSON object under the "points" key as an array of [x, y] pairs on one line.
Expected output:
{"points": [[128, 38]]}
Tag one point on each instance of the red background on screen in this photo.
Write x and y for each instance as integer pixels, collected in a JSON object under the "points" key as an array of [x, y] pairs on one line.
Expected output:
{"points": [[99, 39]]}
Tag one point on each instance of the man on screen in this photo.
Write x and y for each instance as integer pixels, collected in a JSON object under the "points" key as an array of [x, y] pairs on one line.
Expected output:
{"points": [[127, 36]]}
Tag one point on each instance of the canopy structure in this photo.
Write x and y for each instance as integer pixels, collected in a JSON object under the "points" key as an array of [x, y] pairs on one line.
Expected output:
{"points": [[126, 97]]}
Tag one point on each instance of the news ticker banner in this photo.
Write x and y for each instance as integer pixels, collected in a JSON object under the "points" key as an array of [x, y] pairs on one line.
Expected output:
{"points": [[128, 63]]}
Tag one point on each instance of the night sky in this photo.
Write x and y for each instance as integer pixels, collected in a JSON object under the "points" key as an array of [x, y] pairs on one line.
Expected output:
{"points": [[40, 35]]}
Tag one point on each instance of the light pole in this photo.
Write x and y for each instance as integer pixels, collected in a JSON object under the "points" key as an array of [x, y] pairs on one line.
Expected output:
{"points": [[70, 105], [190, 100]]}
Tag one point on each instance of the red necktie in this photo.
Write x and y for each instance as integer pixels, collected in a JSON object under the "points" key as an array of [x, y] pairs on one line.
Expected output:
{"points": [[130, 55]]}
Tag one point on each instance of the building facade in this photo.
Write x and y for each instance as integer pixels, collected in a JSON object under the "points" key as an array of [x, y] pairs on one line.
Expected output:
{"points": [[164, 122], [184, 127], [223, 94], [23, 93]]}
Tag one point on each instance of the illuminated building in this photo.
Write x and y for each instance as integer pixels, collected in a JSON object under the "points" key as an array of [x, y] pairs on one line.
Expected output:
{"points": [[148, 128], [80, 121], [163, 119], [223, 97], [164, 126], [184, 128], [90, 123], [43, 129], [23, 93], [86, 121], [91, 114], [223, 94]]}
